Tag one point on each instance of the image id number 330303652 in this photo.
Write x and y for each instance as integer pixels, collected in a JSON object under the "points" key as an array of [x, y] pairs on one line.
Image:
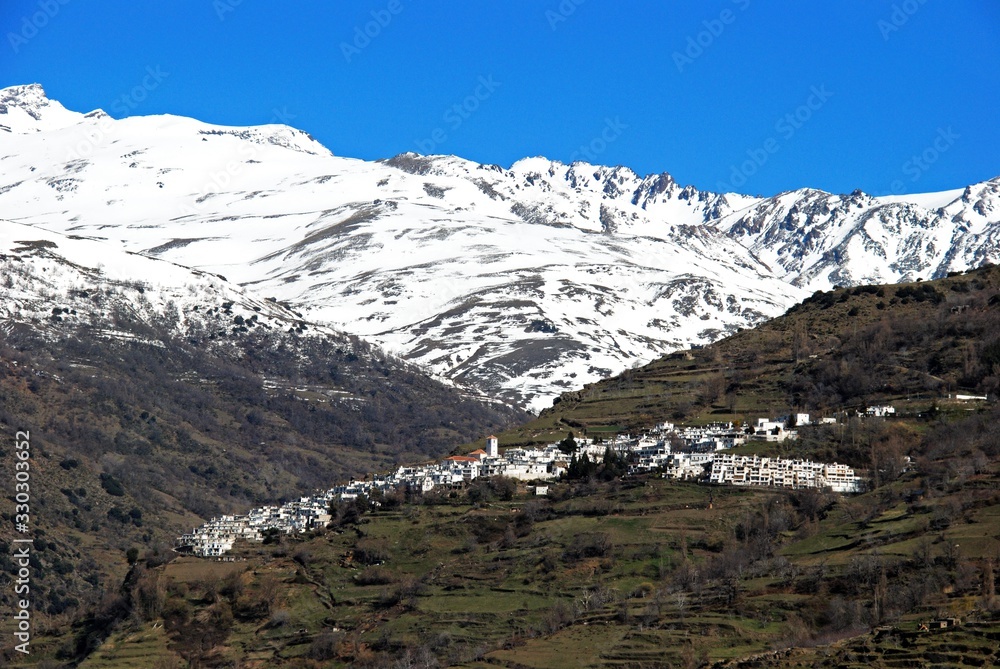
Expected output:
{"points": [[22, 544]]}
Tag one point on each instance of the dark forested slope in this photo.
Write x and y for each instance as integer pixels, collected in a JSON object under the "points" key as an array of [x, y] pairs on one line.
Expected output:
{"points": [[135, 440]]}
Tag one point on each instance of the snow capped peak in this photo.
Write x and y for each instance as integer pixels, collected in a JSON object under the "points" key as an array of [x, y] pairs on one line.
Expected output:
{"points": [[534, 165], [27, 96], [420, 164], [930, 201], [26, 108], [23, 93], [283, 136]]}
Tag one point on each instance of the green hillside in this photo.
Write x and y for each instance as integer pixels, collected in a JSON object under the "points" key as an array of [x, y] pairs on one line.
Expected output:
{"points": [[642, 571]]}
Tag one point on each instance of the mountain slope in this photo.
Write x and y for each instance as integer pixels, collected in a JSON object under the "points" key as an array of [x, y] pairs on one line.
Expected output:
{"points": [[911, 345], [522, 281], [157, 397], [70, 292]]}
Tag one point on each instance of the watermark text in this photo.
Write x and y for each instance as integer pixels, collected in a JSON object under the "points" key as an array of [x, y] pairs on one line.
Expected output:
{"points": [[22, 544]]}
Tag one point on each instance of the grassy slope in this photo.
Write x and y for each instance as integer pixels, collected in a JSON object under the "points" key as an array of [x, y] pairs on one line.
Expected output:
{"points": [[655, 592]]}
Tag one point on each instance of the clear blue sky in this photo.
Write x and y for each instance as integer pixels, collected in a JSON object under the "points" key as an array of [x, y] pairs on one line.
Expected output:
{"points": [[874, 83]]}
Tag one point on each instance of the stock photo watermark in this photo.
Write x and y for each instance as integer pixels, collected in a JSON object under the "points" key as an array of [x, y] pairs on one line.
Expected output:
{"points": [[612, 130], [282, 116], [562, 12], [94, 135], [785, 128], [34, 23], [125, 103], [459, 113], [917, 165], [703, 40], [900, 16], [220, 179], [223, 7], [22, 543], [363, 35]]}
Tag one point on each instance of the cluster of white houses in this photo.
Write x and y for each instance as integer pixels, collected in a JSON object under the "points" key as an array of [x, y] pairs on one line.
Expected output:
{"points": [[729, 469], [686, 453], [218, 536]]}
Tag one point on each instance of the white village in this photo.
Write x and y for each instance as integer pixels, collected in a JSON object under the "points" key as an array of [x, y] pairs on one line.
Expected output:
{"points": [[691, 453]]}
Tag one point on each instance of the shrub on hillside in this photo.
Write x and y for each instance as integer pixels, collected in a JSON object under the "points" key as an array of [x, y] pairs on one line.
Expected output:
{"points": [[112, 486], [591, 545], [375, 576], [371, 551]]}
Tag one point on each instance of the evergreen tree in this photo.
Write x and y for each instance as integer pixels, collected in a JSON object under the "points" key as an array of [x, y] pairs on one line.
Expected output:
{"points": [[568, 445]]}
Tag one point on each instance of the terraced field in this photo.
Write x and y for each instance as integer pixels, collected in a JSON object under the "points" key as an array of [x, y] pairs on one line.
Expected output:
{"points": [[635, 573]]}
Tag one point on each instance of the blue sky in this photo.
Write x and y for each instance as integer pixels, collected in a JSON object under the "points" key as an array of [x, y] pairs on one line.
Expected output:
{"points": [[746, 95]]}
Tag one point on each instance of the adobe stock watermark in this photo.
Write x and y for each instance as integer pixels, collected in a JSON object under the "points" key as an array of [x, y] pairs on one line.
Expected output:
{"points": [[282, 116], [612, 130], [562, 12], [900, 16], [22, 544], [703, 40], [93, 135], [125, 103], [32, 24], [459, 113], [920, 163], [223, 7], [221, 179], [363, 35], [786, 127]]}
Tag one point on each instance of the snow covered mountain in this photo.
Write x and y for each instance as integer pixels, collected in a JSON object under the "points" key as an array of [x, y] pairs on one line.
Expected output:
{"points": [[522, 282], [66, 283], [817, 240]]}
